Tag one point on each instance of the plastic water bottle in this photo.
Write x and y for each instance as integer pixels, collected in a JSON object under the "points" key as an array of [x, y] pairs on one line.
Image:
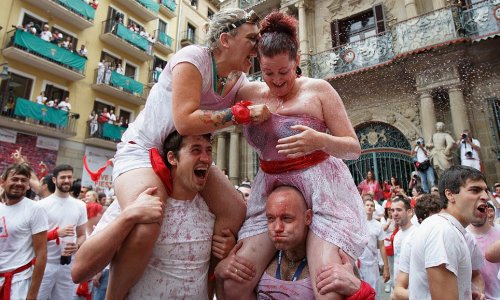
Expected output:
{"points": [[66, 260]]}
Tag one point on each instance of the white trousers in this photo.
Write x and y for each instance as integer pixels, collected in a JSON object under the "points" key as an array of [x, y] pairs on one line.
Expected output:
{"points": [[57, 283], [19, 289], [370, 274]]}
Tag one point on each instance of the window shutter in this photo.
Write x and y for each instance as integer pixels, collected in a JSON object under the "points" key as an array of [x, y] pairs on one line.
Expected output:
{"points": [[335, 33], [378, 12]]}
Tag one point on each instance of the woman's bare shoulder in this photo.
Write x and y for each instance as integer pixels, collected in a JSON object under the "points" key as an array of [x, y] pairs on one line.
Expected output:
{"points": [[251, 90]]}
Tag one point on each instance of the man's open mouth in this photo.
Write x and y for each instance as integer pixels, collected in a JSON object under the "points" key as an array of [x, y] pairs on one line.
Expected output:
{"points": [[201, 172], [482, 208]]}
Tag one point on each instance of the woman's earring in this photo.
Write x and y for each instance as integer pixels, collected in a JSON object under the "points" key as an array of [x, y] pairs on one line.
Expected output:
{"points": [[298, 71]]}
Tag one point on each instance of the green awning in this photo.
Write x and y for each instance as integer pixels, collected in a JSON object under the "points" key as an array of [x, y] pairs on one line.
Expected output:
{"points": [[80, 7], [165, 39], [126, 83], [170, 4], [132, 37], [151, 5], [40, 112], [32, 43], [112, 131]]}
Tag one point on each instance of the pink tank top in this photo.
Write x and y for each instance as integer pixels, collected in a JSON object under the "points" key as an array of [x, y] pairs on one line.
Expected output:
{"points": [[272, 288]]}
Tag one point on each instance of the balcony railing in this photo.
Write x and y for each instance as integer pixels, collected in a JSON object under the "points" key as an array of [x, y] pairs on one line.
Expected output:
{"points": [[121, 37], [74, 12], [144, 9], [120, 86], [169, 6], [50, 52], [187, 38], [79, 7], [436, 27], [163, 42], [105, 131], [481, 20], [154, 75], [151, 5], [24, 114], [353, 56]]}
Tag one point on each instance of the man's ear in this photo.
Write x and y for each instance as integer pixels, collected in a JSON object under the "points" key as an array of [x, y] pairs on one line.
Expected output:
{"points": [[449, 195], [309, 215], [171, 158]]}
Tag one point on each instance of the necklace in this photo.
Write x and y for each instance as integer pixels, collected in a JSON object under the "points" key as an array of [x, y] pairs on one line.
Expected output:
{"points": [[218, 80], [291, 264]]}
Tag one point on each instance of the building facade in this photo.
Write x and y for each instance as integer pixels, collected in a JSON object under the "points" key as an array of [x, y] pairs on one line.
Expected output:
{"points": [[127, 44], [400, 67]]}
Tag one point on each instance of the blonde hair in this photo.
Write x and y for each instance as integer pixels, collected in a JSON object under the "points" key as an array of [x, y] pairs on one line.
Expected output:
{"points": [[94, 195], [220, 23]]}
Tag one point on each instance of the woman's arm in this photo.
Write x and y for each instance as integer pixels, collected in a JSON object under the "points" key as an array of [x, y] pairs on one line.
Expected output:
{"points": [[341, 142], [188, 118]]}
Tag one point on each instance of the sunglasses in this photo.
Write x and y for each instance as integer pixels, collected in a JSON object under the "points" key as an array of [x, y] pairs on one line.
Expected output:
{"points": [[251, 17]]}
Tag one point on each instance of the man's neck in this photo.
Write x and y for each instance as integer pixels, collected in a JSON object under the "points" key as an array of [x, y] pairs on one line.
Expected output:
{"points": [[406, 226], [60, 194], [480, 229], [454, 213], [369, 217], [10, 202], [295, 254]]}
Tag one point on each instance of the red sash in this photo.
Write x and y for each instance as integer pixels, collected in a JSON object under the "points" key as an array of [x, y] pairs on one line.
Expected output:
{"points": [[7, 284], [299, 163], [365, 292]]}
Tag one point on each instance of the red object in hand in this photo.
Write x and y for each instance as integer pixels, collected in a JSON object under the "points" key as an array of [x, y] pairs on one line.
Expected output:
{"points": [[365, 292], [241, 112], [97, 174]]}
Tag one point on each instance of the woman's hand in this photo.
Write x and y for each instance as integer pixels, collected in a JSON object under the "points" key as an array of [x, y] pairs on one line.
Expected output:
{"points": [[300, 144], [222, 244], [259, 113]]}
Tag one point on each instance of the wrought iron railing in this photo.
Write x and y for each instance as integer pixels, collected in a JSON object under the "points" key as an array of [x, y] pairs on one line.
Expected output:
{"points": [[480, 19], [78, 7], [244, 4], [105, 131], [110, 77], [26, 111], [189, 37], [127, 35], [154, 75], [433, 28], [33, 44], [353, 56], [494, 118]]}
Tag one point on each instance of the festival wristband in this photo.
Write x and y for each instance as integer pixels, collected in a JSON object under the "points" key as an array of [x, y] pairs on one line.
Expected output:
{"points": [[365, 292], [53, 235], [241, 112]]}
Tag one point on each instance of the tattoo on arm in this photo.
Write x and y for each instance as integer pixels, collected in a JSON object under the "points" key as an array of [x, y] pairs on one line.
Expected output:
{"points": [[216, 117]]}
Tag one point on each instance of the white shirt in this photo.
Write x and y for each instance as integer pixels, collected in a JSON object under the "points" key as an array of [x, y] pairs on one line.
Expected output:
{"points": [[375, 234], [440, 240], [46, 35], [400, 239], [465, 147], [63, 105], [18, 224], [421, 157], [112, 119], [41, 99], [62, 212]]}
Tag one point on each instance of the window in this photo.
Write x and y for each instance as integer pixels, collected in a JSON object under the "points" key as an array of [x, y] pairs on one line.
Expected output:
{"points": [[74, 40], [132, 22], [14, 87], [130, 71], [114, 61], [191, 32], [210, 13], [162, 26], [158, 62], [55, 93], [38, 24], [358, 27], [194, 3], [125, 115], [98, 106]]}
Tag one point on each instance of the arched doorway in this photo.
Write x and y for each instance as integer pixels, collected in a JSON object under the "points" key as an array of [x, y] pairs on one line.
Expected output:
{"points": [[385, 150]]}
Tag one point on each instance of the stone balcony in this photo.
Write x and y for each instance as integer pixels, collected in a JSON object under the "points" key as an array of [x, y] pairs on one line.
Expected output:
{"points": [[75, 12]]}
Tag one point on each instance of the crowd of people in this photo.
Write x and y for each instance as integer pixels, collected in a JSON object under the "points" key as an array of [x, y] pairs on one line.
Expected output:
{"points": [[301, 230]]}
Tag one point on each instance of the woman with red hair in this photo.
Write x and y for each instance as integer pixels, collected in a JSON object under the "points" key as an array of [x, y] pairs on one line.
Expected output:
{"points": [[302, 144]]}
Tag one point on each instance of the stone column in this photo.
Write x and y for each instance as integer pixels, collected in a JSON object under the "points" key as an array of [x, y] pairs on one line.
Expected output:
{"points": [[437, 4], [411, 9], [234, 153], [221, 151], [458, 111], [304, 42], [427, 115]]}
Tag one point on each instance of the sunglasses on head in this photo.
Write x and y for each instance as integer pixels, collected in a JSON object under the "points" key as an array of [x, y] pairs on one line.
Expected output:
{"points": [[250, 17]]}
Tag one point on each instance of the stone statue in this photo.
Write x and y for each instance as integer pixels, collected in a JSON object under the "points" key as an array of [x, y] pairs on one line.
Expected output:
{"points": [[441, 146]]}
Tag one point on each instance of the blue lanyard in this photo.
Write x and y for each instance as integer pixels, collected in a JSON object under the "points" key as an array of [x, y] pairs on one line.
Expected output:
{"points": [[297, 273]]}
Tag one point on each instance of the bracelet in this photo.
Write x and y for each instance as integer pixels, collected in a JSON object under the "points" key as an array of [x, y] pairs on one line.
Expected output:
{"points": [[241, 112], [365, 292]]}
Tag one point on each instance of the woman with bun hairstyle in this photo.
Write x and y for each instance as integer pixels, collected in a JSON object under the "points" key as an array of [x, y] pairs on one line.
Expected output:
{"points": [[302, 144], [194, 95]]}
